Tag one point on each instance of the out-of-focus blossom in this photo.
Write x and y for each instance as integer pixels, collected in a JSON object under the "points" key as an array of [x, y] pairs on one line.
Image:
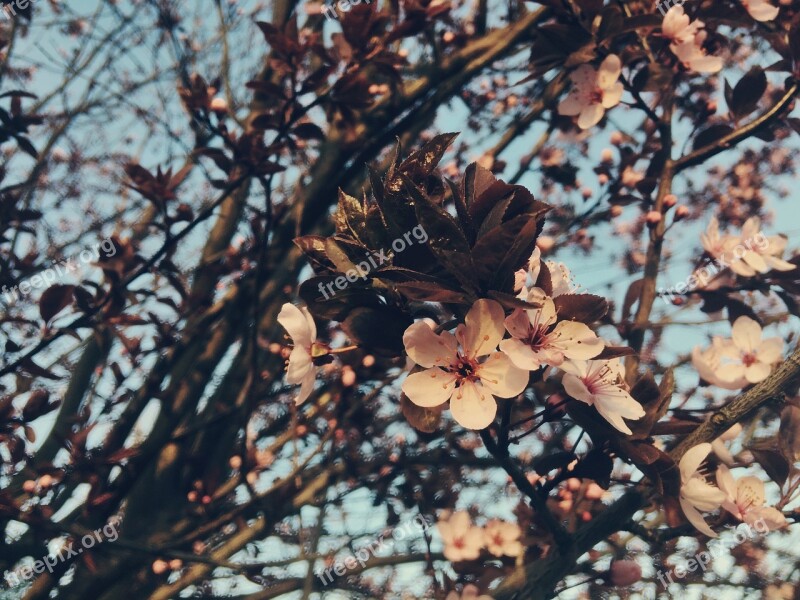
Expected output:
{"points": [[538, 338], [502, 538], [593, 91], [600, 383], [745, 500], [300, 326], [624, 572], [462, 540], [761, 10], [470, 592], [750, 356], [746, 358], [686, 39], [454, 368], [753, 252], [696, 494], [707, 363]]}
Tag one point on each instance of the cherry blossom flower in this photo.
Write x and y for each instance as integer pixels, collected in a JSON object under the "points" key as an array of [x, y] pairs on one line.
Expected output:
{"points": [[696, 494], [561, 278], [686, 41], [453, 371], [470, 592], [502, 538], [539, 338], [745, 500], [713, 242], [593, 91], [753, 358], [707, 363], [300, 326], [599, 383], [761, 10], [720, 449], [462, 540], [750, 258]]}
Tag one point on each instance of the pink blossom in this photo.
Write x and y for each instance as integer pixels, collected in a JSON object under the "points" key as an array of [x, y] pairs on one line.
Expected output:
{"points": [[696, 494], [502, 538], [454, 368], [745, 500], [300, 326], [761, 10], [593, 91], [600, 383], [470, 592], [686, 41], [539, 338], [461, 539]]}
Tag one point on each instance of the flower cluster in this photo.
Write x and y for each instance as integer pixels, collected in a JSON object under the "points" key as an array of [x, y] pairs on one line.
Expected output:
{"points": [[686, 39], [464, 540], [734, 363], [468, 370], [752, 251], [744, 499]]}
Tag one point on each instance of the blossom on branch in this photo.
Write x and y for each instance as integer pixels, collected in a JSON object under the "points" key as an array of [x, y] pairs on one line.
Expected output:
{"points": [[686, 39], [600, 383], [745, 500], [455, 368], [697, 495], [502, 538], [538, 338], [462, 540], [300, 326], [593, 91]]}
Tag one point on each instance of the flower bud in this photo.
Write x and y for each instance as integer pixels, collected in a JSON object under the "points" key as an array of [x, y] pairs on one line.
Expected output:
{"points": [[653, 218], [616, 138], [607, 156], [670, 200], [160, 566], [615, 210], [681, 212], [624, 572], [219, 105]]}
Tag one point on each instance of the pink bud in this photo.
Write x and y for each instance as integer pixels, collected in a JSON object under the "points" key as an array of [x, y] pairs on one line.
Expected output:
{"points": [[235, 462], [670, 200], [348, 376], [573, 484], [545, 243], [29, 486], [711, 106], [602, 178], [653, 218], [45, 481], [368, 361], [219, 105], [175, 564], [625, 572], [616, 138], [448, 37], [160, 566], [594, 492], [681, 212], [586, 193], [615, 210], [607, 156]]}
